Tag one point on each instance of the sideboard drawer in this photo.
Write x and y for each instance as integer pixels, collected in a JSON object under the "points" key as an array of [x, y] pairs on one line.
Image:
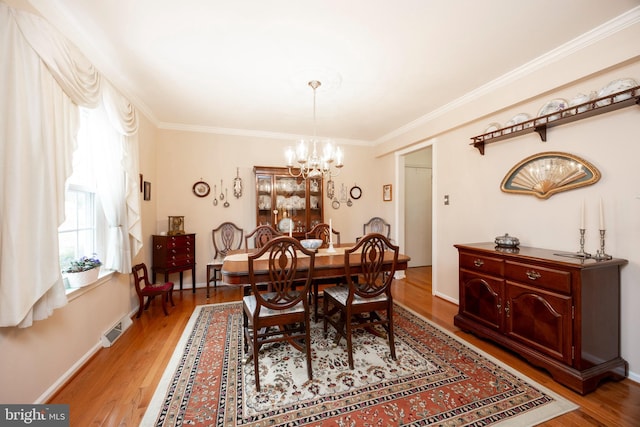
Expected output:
{"points": [[542, 277], [482, 263]]}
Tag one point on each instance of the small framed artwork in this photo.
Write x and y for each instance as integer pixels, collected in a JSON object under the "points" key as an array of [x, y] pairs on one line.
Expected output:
{"points": [[176, 225], [386, 193], [147, 190]]}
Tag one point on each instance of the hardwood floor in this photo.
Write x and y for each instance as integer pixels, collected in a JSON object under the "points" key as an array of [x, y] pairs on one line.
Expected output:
{"points": [[116, 385]]}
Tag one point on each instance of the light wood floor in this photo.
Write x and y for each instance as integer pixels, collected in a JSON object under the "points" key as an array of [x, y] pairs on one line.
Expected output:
{"points": [[116, 385]]}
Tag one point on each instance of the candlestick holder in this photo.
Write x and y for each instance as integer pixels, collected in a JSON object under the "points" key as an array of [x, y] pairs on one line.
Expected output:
{"points": [[331, 249], [601, 255], [581, 253]]}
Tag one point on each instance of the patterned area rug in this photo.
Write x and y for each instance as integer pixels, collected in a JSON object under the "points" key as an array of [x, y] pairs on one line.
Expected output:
{"points": [[436, 380]]}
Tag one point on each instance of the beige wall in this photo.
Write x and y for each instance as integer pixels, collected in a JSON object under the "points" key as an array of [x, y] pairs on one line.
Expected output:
{"points": [[187, 157], [479, 211]]}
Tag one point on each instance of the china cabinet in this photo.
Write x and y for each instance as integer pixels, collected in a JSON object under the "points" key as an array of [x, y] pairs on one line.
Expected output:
{"points": [[559, 312], [286, 202]]}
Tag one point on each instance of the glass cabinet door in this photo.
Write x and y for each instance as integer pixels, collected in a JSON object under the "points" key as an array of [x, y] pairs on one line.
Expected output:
{"points": [[315, 202], [264, 200], [286, 202], [291, 203]]}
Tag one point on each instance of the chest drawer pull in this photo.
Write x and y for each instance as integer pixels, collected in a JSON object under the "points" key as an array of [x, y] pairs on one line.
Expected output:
{"points": [[478, 263], [533, 275]]}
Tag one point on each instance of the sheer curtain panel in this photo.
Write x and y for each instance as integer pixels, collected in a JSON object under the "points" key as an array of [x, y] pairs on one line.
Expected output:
{"points": [[45, 78]]}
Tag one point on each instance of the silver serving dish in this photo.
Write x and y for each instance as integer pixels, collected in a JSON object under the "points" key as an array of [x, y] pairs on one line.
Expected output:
{"points": [[507, 241]]}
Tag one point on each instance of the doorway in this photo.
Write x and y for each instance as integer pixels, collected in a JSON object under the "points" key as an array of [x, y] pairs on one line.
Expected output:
{"points": [[418, 200]]}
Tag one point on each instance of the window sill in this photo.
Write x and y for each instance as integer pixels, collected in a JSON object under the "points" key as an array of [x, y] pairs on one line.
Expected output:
{"points": [[73, 293]]}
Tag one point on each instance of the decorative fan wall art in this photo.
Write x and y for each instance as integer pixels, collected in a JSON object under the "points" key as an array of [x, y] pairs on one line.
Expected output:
{"points": [[545, 174]]}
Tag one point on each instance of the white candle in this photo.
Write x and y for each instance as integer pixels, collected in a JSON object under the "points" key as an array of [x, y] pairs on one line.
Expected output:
{"points": [[290, 227], [601, 215], [582, 216], [330, 233]]}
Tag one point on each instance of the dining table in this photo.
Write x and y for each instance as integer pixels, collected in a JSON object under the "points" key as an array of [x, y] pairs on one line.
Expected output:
{"points": [[235, 268]]}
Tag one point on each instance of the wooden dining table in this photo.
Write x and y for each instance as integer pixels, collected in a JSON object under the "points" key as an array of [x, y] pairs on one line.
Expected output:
{"points": [[235, 268]]}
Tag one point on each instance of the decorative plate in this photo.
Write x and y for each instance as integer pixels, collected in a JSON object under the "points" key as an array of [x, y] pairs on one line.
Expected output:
{"points": [[614, 87], [516, 120], [553, 106], [201, 189], [285, 224], [579, 99], [492, 127], [355, 192], [335, 204]]}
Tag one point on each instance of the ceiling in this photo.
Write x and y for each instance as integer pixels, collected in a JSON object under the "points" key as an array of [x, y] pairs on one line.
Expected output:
{"points": [[242, 66]]}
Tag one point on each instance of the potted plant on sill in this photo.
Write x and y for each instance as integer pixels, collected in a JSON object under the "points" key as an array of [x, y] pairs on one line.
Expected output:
{"points": [[82, 271]]}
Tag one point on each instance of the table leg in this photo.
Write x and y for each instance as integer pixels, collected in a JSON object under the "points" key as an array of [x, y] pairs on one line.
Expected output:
{"points": [[208, 278]]}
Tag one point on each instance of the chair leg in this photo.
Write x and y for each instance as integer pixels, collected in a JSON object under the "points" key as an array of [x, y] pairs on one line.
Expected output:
{"points": [[315, 300], [308, 347], [256, 368], [141, 306], [349, 331], [392, 345], [170, 297], [163, 298]]}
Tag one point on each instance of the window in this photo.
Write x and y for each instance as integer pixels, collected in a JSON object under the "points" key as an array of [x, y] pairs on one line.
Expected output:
{"points": [[77, 236], [83, 232]]}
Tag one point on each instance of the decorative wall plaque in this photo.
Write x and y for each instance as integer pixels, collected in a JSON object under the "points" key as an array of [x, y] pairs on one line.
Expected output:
{"points": [[545, 174]]}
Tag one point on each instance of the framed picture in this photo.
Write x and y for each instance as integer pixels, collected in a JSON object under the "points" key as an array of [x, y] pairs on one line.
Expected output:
{"points": [[386, 193], [147, 190], [176, 225]]}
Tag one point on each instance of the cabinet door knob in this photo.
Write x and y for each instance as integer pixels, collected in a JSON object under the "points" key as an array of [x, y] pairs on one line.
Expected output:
{"points": [[478, 263], [533, 275], [158, 246]]}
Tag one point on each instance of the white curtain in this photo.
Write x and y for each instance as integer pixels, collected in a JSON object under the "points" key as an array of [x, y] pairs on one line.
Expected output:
{"points": [[44, 79]]}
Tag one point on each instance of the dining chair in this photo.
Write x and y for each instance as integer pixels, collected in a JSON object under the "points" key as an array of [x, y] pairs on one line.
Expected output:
{"points": [[377, 225], [226, 237], [322, 231], [370, 294], [282, 313], [261, 235], [145, 289]]}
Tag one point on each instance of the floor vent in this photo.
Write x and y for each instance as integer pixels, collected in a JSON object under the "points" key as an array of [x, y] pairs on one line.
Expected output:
{"points": [[114, 333]]}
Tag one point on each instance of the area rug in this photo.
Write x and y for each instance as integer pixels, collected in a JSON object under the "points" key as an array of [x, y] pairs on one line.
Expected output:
{"points": [[436, 380]]}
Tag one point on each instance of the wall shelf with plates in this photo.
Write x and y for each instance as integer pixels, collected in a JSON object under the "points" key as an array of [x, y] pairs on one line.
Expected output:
{"points": [[288, 202], [540, 124]]}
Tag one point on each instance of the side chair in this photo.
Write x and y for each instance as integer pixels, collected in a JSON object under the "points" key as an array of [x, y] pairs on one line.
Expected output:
{"points": [[145, 289], [261, 235], [226, 237], [377, 225], [370, 295], [321, 231], [282, 313]]}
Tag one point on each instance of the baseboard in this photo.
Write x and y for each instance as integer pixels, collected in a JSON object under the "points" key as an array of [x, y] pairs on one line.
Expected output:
{"points": [[68, 375]]}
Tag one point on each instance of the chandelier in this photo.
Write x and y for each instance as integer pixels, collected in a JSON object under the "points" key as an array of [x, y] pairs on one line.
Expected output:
{"points": [[314, 164]]}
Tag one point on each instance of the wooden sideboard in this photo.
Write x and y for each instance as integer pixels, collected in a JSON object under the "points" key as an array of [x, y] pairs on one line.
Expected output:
{"points": [[559, 312], [174, 254]]}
